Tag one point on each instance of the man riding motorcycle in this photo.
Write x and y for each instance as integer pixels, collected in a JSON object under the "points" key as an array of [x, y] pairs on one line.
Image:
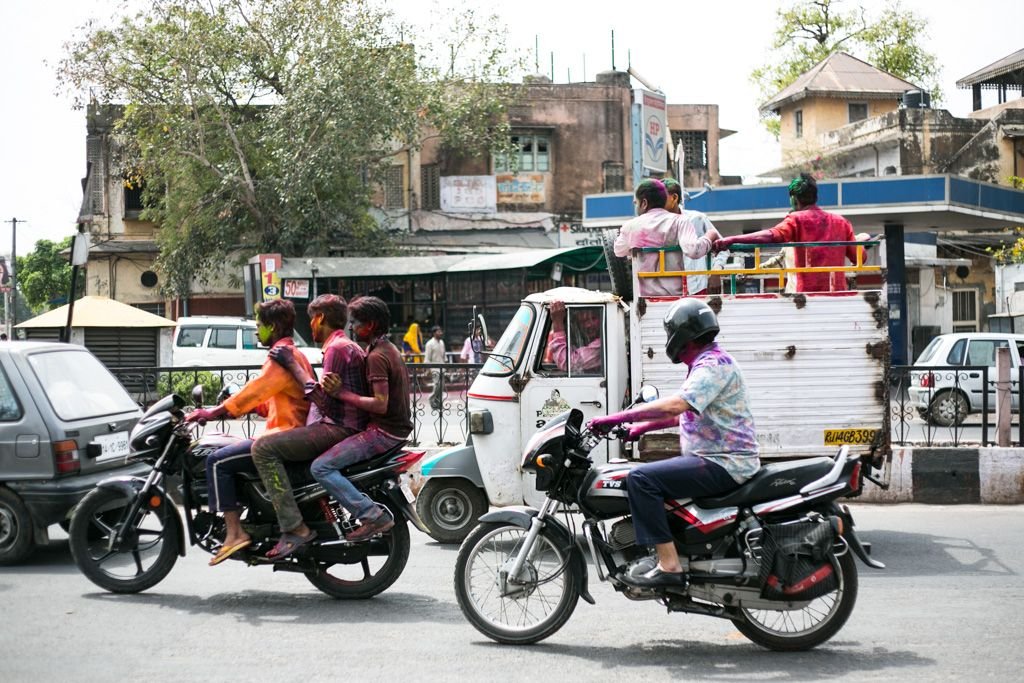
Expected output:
{"points": [[716, 434]]}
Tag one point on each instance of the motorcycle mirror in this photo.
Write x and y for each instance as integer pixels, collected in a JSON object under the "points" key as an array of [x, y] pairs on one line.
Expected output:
{"points": [[648, 393], [227, 392], [197, 395]]}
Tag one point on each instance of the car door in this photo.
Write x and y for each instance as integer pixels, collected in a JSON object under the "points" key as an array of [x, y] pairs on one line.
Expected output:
{"points": [[983, 352], [24, 440], [578, 380]]}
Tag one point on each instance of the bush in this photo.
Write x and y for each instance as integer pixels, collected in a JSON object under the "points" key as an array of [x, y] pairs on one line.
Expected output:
{"points": [[181, 383]]}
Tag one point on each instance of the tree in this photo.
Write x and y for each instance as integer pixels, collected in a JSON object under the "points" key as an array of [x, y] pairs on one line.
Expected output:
{"points": [[45, 274], [262, 125], [810, 30]]}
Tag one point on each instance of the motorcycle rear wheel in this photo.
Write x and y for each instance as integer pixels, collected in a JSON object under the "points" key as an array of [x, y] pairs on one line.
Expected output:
{"points": [[531, 609], [370, 576], [145, 556], [806, 628]]}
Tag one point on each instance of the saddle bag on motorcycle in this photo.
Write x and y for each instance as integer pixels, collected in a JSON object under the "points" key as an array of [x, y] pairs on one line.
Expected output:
{"points": [[797, 561]]}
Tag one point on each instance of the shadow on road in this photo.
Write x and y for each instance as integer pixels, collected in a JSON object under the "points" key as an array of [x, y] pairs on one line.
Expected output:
{"points": [[701, 660], [52, 558], [909, 554], [270, 608]]}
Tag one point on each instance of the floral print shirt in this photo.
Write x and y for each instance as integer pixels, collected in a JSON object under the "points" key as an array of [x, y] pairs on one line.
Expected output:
{"points": [[719, 425]]}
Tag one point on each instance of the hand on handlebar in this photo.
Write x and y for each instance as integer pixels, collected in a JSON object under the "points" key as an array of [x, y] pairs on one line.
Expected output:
{"points": [[201, 415], [602, 424]]}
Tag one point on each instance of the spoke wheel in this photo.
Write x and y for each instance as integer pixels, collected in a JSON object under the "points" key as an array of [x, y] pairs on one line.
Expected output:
{"points": [[808, 626], [145, 554], [522, 609], [369, 575]]}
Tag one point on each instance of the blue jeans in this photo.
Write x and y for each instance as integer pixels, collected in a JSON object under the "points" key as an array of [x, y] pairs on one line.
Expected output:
{"points": [[221, 467], [651, 484], [356, 448]]}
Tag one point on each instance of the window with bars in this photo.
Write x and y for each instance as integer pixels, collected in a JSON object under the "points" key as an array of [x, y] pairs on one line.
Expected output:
{"points": [[394, 187], [965, 310], [695, 147], [132, 198], [614, 176], [430, 186], [533, 154], [798, 122]]}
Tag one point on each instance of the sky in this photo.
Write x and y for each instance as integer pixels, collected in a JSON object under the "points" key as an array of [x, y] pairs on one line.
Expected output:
{"points": [[697, 53]]}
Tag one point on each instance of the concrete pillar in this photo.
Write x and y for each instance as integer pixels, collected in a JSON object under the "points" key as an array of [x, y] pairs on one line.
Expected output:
{"points": [[1003, 396]]}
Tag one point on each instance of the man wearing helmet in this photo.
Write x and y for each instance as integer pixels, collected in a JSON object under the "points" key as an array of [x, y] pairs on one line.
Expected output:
{"points": [[807, 223], [716, 435]]}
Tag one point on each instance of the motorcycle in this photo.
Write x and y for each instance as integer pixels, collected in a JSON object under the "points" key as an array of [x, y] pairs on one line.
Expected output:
{"points": [[127, 534], [774, 556]]}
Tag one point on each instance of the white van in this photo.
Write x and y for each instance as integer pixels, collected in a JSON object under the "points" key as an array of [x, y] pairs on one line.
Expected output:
{"points": [[222, 341]]}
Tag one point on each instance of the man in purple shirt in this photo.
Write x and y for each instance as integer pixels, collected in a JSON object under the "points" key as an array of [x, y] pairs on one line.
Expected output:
{"points": [[329, 421]]}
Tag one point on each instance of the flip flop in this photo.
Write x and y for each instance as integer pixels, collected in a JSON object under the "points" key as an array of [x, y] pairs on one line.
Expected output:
{"points": [[288, 544], [227, 551]]}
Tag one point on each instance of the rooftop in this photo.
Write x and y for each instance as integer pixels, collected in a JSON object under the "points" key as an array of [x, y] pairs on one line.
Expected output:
{"points": [[1007, 71]]}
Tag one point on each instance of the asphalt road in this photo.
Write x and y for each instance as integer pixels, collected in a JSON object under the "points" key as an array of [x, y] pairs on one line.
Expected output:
{"points": [[947, 608]]}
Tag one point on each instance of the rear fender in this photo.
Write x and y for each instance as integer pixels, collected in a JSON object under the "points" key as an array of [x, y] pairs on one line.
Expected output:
{"points": [[396, 495], [522, 517], [131, 486]]}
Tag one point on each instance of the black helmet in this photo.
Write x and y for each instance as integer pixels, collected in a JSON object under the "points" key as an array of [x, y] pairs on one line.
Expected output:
{"points": [[685, 321]]}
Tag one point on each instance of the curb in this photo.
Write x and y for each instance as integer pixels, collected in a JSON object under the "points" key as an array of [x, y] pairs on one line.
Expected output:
{"points": [[952, 476]]}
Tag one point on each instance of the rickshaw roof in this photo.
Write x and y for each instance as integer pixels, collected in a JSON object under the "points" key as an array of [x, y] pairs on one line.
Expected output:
{"points": [[572, 295]]}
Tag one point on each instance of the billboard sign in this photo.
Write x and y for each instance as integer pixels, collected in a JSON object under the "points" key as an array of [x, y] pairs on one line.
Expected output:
{"points": [[653, 129], [468, 194]]}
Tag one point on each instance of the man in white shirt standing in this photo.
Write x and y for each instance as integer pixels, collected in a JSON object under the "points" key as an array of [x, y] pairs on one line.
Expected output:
{"points": [[434, 352], [655, 226]]}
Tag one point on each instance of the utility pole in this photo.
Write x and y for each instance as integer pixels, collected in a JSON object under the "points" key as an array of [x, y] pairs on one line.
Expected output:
{"points": [[14, 274]]}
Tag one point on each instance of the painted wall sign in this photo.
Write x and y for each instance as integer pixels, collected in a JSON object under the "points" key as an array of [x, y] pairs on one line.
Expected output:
{"points": [[468, 194], [522, 188]]}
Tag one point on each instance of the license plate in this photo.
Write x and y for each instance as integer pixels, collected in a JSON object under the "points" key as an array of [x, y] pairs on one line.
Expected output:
{"points": [[850, 437], [407, 492], [112, 445]]}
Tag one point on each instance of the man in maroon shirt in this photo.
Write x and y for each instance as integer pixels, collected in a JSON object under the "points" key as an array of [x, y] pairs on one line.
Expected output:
{"points": [[807, 223]]}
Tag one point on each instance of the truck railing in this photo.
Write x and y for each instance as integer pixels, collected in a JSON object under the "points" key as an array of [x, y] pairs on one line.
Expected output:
{"points": [[734, 273], [446, 422]]}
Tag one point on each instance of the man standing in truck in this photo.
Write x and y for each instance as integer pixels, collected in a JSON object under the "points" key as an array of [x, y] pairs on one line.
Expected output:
{"points": [[807, 223], [655, 226]]}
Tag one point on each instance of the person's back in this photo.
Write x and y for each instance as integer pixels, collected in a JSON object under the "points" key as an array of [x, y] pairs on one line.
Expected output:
{"points": [[384, 363], [812, 224]]}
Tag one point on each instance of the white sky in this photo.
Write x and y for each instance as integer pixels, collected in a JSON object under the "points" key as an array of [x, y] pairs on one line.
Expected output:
{"points": [[698, 53]]}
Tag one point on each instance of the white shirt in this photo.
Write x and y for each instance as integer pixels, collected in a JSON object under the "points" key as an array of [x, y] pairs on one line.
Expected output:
{"points": [[691, 230], [433, 352]]}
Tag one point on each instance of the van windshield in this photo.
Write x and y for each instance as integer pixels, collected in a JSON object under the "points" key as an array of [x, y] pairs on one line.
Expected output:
{"points": [[78, 386], [509, 349]]}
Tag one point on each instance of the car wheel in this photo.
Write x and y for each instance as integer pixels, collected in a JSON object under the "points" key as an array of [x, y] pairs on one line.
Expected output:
{"points": [[450, 508], [16, 541], [948, 409]]}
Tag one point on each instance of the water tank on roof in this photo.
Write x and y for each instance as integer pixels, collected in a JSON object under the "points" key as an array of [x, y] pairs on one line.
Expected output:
{"points": [[917, 99]]}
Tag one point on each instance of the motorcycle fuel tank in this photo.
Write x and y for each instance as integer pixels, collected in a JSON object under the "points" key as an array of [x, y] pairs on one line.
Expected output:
{"points": [[604, 489]]}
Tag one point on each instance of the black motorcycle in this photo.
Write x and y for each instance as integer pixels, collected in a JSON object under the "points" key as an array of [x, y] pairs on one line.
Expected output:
{"points": [[127, 534], [774, 555]]}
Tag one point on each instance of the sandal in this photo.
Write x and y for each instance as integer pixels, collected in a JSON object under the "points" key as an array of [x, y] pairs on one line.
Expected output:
{"points": [[227, 551], [288, 544]]}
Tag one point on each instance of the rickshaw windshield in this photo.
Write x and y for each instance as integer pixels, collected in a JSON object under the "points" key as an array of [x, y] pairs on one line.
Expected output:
{"points": [[504, 358]]}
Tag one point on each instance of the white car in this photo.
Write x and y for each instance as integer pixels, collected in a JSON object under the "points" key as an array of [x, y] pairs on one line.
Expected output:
{"points": [[223, 341], [945, 395]]}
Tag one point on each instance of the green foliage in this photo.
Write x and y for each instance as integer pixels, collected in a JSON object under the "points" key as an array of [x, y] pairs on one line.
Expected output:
{"points": [[1012, 252], [45, 274], [182, 383], [808, 31], [262, 125]]}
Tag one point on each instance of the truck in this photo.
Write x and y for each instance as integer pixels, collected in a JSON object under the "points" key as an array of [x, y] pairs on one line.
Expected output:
{"points": [[816, 367]]}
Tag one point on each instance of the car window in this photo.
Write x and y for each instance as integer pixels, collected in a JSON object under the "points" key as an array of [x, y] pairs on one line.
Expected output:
{"points": [[224, 338], [249, 338], [956, 354], [191, 337], [78, 386], [579, 351], [983, 351], [1020, 349], [929, 351], [10, 410]]}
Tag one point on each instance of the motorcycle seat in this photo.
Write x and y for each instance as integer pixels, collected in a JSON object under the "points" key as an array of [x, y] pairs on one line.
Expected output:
{"points": [[774, 480]]}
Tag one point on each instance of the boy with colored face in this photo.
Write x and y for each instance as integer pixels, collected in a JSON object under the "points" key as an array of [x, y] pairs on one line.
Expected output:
{"points": [[330, 420], [276, 395]]}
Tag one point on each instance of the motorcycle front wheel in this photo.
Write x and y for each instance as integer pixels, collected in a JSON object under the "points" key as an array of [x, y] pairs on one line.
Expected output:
{"points": [[383, 563], [146, 552], [793, 630], [522, 609]]}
